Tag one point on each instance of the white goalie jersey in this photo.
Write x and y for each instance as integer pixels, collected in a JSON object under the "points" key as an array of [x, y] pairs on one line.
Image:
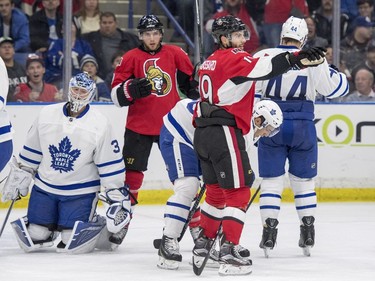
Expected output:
{"points": [[301, 84], [73, 156]]}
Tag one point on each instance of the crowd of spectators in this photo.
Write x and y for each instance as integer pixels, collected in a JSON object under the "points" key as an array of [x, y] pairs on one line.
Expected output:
{"points": [[35, 27]]}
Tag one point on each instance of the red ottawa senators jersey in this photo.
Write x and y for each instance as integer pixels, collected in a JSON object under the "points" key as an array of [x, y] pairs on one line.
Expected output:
{"points": [[145, 116], [225, 81]]}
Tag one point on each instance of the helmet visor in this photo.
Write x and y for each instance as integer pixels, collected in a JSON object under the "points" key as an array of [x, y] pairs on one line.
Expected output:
{"points": [[241, 34]]}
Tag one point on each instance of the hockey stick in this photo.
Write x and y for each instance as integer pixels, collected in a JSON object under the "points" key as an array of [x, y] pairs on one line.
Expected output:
{"points": [[157, 242], [8, 213], [199, 26], [198, 270]]}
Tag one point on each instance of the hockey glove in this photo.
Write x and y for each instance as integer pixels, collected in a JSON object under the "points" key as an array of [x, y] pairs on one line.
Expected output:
{"points": [[307, 58], [136, 88], [17, 183], [118, 214]]}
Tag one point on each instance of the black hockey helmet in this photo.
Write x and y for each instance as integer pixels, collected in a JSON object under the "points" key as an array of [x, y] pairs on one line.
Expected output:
{"points": [[226, 25], [150, 22]]}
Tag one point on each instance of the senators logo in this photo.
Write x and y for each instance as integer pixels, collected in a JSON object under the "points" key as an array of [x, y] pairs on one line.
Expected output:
{"points": [[161, 81]]}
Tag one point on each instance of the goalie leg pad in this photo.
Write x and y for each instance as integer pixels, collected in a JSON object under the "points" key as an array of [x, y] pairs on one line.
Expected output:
{"points": [[24, 239], [83, 237], [103, 242]]}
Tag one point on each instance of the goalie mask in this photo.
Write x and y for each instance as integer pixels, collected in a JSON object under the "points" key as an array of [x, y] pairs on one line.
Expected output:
{"points": [[295, 28], [225, 26], [82, 90], [267, 115]]}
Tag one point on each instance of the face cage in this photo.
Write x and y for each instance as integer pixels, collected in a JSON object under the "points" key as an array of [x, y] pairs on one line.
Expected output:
{"points": [[264, 125], [77, 104]]}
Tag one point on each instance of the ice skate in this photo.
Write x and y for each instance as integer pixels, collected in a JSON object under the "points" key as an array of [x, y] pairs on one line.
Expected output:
{"points": [[194, 231], [232, 262], [213, 260], [169, 253], [201, 249], [117, 238], [307, 236], [269, 236]]}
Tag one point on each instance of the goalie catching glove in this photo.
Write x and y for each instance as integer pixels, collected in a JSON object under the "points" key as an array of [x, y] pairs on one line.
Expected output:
{"points": [[136, 88], [18, 181], [118, 213], [306, 58]]}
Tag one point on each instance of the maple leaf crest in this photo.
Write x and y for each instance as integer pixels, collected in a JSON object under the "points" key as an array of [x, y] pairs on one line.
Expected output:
{"points": [[63, 157]]}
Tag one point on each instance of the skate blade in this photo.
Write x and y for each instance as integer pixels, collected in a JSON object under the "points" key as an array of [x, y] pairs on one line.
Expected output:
{"points": [[229, 269], [306, 251], [167, 264], [197, 261], [210, 264], [266, 252]]}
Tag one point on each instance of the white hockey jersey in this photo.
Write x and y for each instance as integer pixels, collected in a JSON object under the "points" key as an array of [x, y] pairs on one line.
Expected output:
{"points": [[5, 126], [179, 121], [73, 156], [301, 84]]}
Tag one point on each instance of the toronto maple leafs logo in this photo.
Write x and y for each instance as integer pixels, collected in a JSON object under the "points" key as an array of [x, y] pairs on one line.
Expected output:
{"points": [[63, 157], [273, 112]]}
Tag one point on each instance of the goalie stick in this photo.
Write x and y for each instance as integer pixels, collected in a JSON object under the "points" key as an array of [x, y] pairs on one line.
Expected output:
{"points": [[199, 269], [157, 242], [8, 213]]}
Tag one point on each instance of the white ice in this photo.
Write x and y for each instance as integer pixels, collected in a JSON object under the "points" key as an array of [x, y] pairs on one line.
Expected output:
{"points": [[344, 250]]}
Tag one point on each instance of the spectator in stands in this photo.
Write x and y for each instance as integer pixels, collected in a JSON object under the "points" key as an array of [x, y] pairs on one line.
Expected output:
{"points": [[313, 5], [353, 47], [276, 12], [45, 26], [55, 57], [89, 16], [365, 9], [323, 19], [349, 9], [369, 63], [313, 40], [32, 6], [211, 7], [90, 65], [14, 24], [16, 71], [238, 9], [108, 40], [364, 83], [116, 59], [35, 90]]}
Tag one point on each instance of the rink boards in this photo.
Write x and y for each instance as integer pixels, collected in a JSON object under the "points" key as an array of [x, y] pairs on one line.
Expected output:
{"points": [[346, 162]]}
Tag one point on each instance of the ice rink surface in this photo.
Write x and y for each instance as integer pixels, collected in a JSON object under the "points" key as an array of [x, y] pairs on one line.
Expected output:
{"points": [[344, 250]]}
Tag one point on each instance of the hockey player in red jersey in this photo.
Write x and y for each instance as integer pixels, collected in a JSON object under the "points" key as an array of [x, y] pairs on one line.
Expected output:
{"points": [[148, 80], [226, 84]]}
